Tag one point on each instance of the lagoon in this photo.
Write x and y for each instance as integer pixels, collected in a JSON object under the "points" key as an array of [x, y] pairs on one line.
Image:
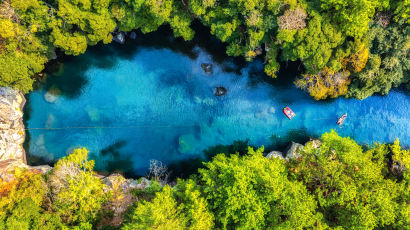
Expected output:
{"points": [[132, 103]]}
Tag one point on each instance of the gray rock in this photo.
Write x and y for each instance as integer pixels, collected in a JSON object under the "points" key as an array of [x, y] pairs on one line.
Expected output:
{"points": [[293, 151], [54, 56], [207, 67], [119, 37], [275, 154], [144, 183], [133, 35], [11, 125], [220, 91]]}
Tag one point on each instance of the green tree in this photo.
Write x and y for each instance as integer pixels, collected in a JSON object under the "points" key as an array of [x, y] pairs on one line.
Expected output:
{"points": [[349, 186], [388, 64], [352, 16], [182, 207], [77, 193], [253, 192], [24, 48], [79, 23], [148, 15]]}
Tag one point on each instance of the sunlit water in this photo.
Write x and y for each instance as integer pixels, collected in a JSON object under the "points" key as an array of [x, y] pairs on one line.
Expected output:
{"points": [[159, 104]]}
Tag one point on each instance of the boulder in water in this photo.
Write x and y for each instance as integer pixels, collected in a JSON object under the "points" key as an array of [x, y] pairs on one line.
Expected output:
{"points": [[133, 35], [207, 67], [220, 91], [119, 37]]}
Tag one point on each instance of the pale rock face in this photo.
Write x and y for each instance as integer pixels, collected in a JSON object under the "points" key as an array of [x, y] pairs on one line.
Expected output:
{"points": [[275, 154], [12, 132], [292, 152], [8, 167]]}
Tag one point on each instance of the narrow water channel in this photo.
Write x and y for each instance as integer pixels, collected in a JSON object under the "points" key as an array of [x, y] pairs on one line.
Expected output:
{"points": [[132, 103]]}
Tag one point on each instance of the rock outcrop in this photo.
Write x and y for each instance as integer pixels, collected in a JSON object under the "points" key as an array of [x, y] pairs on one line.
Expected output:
{"points": [[292, 151], [119, 37], [11, 125], [275, 154], [121, 189], [220, 91], [207, 67], [12, 134]]}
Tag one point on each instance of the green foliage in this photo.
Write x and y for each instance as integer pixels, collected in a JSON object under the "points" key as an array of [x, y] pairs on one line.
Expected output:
{"points": [[23, 48], [81, 22], [317, 32], [73, 183], [352, 16], [313, 44], [180, 208], [388, 64], [349, 185], [337, 185], [253, 192], [148, 15], [28, 215], [20, 203]]}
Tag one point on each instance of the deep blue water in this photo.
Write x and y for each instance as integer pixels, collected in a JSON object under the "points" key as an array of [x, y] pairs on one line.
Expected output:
{"points": [[155, 103]]}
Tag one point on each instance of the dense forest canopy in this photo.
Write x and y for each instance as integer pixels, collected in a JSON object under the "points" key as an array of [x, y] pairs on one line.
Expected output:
{"points": [[348, 47], [333, 183]]}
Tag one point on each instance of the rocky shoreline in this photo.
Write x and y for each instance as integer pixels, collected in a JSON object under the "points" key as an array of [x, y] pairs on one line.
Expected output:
{"points": [[12, 135]]}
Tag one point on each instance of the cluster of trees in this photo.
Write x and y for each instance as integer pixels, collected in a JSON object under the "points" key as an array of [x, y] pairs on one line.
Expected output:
{"points": [[339, 35], [339, 185]]}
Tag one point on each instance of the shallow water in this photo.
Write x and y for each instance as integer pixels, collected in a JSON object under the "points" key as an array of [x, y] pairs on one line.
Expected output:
{"points": [[130, 105]]}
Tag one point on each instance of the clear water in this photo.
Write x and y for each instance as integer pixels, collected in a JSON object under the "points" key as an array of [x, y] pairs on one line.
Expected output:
{"points": [[155, 103]]}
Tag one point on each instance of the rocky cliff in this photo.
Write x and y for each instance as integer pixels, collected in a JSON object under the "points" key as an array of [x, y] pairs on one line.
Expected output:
{"points": [[12, 134], [11, 125]]}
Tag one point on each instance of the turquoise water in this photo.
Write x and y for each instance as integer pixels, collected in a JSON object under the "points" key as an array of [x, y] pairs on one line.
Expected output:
{"points": [[134, 104]]}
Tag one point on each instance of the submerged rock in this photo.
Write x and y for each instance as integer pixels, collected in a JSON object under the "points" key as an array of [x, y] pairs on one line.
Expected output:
{"points": [[52, 94], [186, 143], [220, 91], [50, 120], [207, 67], [50, 98], [119, 37], [93, 114]]}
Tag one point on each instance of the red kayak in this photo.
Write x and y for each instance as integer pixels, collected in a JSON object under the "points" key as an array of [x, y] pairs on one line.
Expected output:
{"points": [[341, 119], [289, 113]]}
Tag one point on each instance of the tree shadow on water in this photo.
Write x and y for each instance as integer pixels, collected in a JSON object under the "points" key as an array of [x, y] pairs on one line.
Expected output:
{"points": [[187, 167], [280, 143], [114, 160]]}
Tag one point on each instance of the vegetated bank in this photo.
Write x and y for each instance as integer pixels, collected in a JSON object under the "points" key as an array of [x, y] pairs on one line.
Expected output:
{"points": [[325, 184], [352, 48]]}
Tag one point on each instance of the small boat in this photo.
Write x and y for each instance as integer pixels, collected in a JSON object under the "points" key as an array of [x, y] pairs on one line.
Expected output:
{"points": [[289, 113], [341, 119]]}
